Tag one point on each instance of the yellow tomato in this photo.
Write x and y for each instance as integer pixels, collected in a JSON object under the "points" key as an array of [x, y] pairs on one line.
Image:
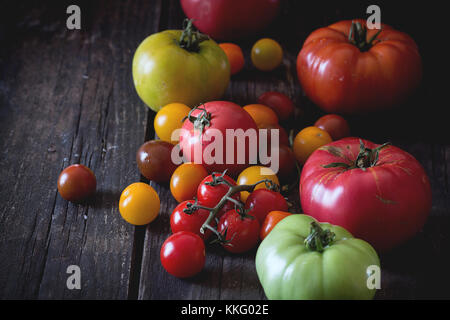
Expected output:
{"points": [[185, 181], [139, 204], [308, 140], [254, 174], [168, 119], [267, 54], [261, 114]]}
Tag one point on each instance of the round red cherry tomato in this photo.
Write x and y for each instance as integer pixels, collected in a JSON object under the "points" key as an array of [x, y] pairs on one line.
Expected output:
{"points": [[154, 160], [182, 221], [183, 254], [271, 221], [382, 198], [282, 134], [279, 102], [76, 182], [335, 125], [286, 163], [260, 202], [242, 234]]}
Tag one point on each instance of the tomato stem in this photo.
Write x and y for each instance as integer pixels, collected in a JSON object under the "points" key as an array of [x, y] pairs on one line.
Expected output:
{"points": [[318, 238], [190, 38], [358, 36], [202, 120]]}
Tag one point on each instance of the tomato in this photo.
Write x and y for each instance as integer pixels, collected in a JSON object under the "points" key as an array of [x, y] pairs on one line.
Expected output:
{"points": [[279, 102], [76, 183], [380, 195], [209, 196], [231, 19], [254, 174], [169, 119], [191, 221], [286, 163], [336, 126], [261, 114], [210, 135], [358, 76], [139, 204], [241, 233], [271, 220], [301, 259], [266, 54], [185, 181], [172, 66], [234, 55], [308, 140], [282, 134], [154, 160], [260, 202], [183, 254]]}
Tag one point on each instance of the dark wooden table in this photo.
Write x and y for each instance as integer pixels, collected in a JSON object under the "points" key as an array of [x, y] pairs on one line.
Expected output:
{"points": [[68, 97]]}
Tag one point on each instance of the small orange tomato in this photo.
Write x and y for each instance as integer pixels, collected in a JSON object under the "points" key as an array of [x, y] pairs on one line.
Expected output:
{"points": [[168, 119], [254, 174], [271, 220], [139, 204], [308, 140], [235, 56], [185, 181], [261, 114]]}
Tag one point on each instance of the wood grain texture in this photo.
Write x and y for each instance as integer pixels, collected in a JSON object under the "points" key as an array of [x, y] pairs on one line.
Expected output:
{"points": [[68, 97]]}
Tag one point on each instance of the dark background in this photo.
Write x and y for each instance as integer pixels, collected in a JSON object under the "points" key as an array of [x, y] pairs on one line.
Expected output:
{"points": [[68, 97]]}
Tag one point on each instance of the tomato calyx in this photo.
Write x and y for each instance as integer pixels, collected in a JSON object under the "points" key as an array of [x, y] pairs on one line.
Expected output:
{"points": [[202, 120], [191, 38], [358, 37], [366, 158], [318, 238]]}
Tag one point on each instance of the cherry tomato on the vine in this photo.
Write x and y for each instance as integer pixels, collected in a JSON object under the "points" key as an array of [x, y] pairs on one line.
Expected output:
{"points": [[254, 174], [335, 125], [242, 233], [139, 204], [260, 202], [185, 181], [279, 102], [267, 54], [76, 182], [168, 119], [182, 221], [271, 221], [154, 160], [183, 254], [308, 140], [235, 56]]}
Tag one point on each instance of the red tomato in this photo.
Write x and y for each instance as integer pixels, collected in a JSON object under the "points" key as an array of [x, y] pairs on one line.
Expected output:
{"points": [[358, 76], [76, 182], [183, 254], [182, 221], [282, 134], [262, 201], [209, 196], [219, 116], [271, 221], [286, 163], [242, 234], [230, 19], [336, 126], [279, 102], [384, 201]]}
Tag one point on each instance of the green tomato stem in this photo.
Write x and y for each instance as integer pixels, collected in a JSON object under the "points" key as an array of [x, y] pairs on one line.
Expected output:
{"points": [[318, 239]]}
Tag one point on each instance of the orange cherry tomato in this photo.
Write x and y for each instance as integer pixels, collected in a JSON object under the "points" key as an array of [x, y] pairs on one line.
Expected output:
{"points": [[308, 140], [139, 204], [267, 54], [168, 119], [254, 174], [271, 220], [185, 181], [261, 114], [235, 56]]}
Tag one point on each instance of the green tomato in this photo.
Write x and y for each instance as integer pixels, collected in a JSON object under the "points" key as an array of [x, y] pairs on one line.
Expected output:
{"points": [[330, 264], [176, 66]]}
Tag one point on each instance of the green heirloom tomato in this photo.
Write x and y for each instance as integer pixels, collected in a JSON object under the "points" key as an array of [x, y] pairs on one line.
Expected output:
{"points": [[304, 259], [181, 66]]}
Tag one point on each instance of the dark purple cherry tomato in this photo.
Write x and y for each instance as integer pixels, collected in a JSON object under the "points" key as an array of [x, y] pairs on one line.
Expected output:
{"points": [[154, 160]]}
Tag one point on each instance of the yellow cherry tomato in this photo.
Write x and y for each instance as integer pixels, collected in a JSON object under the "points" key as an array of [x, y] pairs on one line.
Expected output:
{"points": [[261, 114], [168, 119], [139, 204], [185, 181], [254, 174], [308, 140], [267, 54]]}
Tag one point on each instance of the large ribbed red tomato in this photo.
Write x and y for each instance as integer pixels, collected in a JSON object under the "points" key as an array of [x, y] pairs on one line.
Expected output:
{"points": [[362, 72], [213, 135], [379, 193], [230, 19]]}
